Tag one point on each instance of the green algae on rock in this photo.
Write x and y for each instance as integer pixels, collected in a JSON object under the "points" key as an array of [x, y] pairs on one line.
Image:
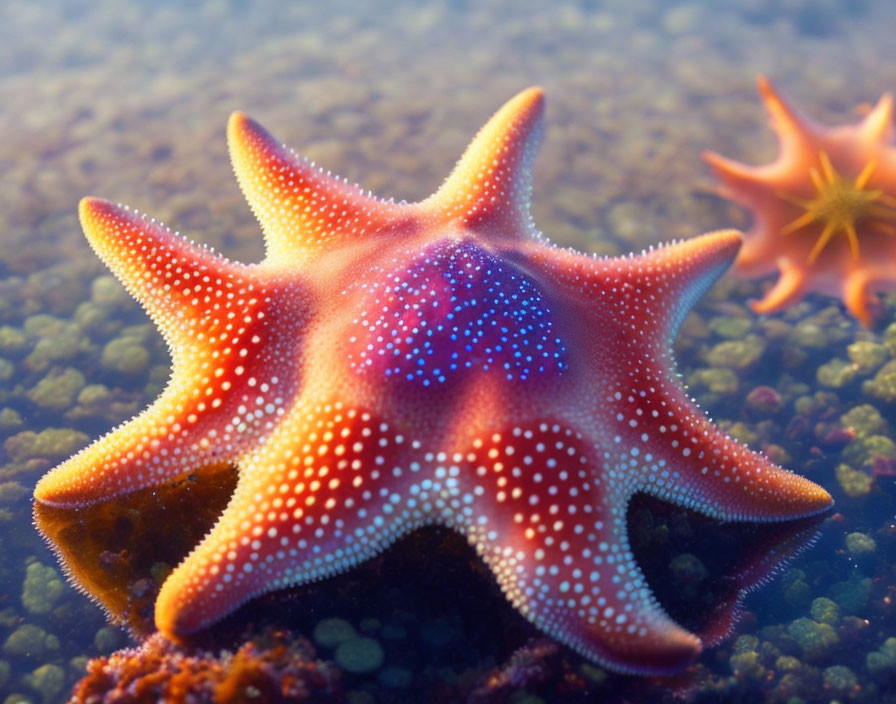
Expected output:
{"points": [[860, 544], [840, 680], [11, 492], [127, 355], [797, 591], [12, 340], [730, 328], [866, 355], [30, 641], [58, 389], [863, 451], [737, 354], [10, 419], [747, 666], [854, 483], [51, 444], [864, 420], [883, 385], [42, 589], [716, 380], [835, 373], [825, 610], [852, 594], [881, 663], [817, 640], [332, 632], [107, 639], [47, 680], [108, 292], [360, 655]]}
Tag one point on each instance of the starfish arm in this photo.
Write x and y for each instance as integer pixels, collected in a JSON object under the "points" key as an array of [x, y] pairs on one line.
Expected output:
{"points": [[551, 526], [169, 275], [670, 279], [661, 284], [222, 398], [792, 130], [229, 380], [738, 180], [857, 296], [153, 448], [687, 460], [657, 428], [330, 488], [788, 289], [883, 227], [878, 124], [489, 190], [303, 209]]}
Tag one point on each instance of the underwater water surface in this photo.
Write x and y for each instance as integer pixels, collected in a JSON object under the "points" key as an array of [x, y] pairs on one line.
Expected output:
{"points": [[128, 101]]}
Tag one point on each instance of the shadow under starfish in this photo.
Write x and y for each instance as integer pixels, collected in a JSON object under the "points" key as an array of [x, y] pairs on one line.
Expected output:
{"points": [[120, 551]]}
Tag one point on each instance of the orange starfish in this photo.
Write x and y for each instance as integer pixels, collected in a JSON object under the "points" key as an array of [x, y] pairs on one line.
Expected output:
{"points": [[393, 365], [824, 211]]}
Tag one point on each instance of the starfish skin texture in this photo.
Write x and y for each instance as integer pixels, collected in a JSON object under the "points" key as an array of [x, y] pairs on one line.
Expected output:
{"points": [[824, 211], [392, 365]]}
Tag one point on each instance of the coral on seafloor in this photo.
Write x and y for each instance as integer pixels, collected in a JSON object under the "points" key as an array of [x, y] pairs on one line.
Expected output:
{"points": [[276, 668], [530, 666]]}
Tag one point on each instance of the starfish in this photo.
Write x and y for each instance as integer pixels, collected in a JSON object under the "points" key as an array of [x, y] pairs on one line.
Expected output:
{"points": [[824, 211], [389, 365]]}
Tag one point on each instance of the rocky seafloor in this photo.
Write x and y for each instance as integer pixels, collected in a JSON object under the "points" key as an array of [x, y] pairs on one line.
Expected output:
{"points": [[128, 102]]}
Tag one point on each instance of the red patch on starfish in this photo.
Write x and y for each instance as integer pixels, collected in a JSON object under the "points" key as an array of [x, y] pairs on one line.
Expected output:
{"points": [[824, 211], [394, 365]]}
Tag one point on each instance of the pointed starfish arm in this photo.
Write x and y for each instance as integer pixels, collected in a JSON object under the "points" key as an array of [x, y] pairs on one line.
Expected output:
{"points": [[857, 297], [790, 127], [690, 462], [663, 284], [737, 179], [218, 319], [489, 190], [660, 286], [787, 289], [554, 533], [329, 489], [303, 209], [171, 438], [172, 277], [878, 124]]}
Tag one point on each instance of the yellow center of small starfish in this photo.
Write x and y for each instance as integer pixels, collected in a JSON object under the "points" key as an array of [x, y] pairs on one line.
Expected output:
{"points": [[840, 205]]}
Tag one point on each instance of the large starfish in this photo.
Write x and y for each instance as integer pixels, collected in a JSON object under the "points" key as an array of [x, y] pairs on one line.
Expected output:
{"points": [[824, 211], [393, 365]]}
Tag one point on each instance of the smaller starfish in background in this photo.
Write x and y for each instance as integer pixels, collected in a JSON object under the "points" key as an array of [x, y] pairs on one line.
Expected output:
{"points": [[839, 204], [825, 182]]}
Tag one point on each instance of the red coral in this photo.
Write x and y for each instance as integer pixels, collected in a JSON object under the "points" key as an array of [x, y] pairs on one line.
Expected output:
{"points": [[280, 670], [530, 666]]}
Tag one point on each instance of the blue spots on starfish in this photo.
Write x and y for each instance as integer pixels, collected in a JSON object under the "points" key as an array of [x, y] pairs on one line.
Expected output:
{"points": [[455, 308]]}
